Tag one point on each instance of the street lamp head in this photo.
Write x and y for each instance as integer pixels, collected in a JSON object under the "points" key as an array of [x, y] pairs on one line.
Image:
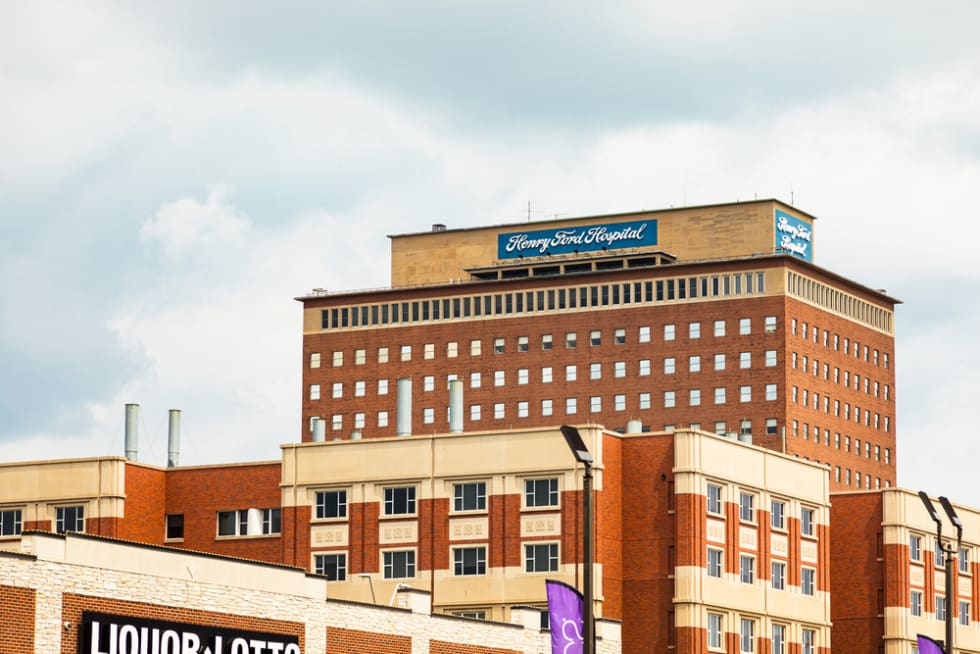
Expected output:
{"points": [[576, 445], [931, 509], [955, 519]]}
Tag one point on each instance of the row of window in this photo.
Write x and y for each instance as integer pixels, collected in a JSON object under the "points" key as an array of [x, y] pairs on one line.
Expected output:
{"points": [[843, 476], [839, 302], [470, 560], [747, 573], [747, 636], [719, 329], [555, 299], [804, 399], [66, 518], [915, 607], [467, 496], [804, 363], [847, 442], [747, 510], [939, 555]]}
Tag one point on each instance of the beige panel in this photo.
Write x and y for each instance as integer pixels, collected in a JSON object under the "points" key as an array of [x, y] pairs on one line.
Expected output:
{"points": [[965, 586], [548, 524], [328, 535], [808, 551], [402, 531], [748, 537], [60, 481], [509, 585], [469, 528], [779, 544], [917, 576], [939, 580], [715, 531]]}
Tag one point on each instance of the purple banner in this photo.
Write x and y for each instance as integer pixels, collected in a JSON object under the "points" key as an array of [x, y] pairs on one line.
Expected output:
{"points": [[928, 645], [565, 611]]}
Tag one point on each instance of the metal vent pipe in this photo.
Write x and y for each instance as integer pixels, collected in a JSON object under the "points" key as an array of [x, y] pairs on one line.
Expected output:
{"points": [[173, 439], [404, 419], [132, 430]]}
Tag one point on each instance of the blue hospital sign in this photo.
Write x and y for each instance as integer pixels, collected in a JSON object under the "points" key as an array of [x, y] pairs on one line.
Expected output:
{"points": [[588, 238], [794, 236]]}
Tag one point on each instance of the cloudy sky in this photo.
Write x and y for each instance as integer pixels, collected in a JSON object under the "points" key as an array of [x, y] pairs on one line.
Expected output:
{"points": [[171, 176]]}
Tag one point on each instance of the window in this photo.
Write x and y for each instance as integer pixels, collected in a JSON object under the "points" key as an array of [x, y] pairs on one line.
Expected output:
{"points": [[964, 560], [359, 388], [669, 332], [522, 376], [809, 639], [399, 564], [522, 344], [498, 346], [546, 375], [770, 391], [11, 523], [714, 499], [571, 405], [720, 395], [694, 363], [336, 421], [428, 416], [595, 371], [779, 575], [474, 380], [940, 608], [174, 526], [644, 334], [644, 367], [338, 359], [744, 326], [746, 507], [915, 602], [745, 360], [915, 547], [694, 330], [399, 500], [772, 424], [619, 336], [382, 387], [331, 504], [770, 325], [570, 340], [778, 639], [541, 557], [644, 400], [233, 523], [475, 412], [476, 347], [806, 521], [669, 399], [452, 350], [714, 562], [382, 355], [570, 373], [540, 492], [619, 402], [807, 579], [777, 514], [546, 407], [546, 341], [714, 631], [469, 561], [964, 613], [719, 328], [331, 566], [498, 377], [595, 338], [314, 391], [746, 569], [746, 641], [498, 411], [669, 365], [694, 397], [939, 554], [69, 518], [315, 360], [406, 353], [619, 369], [719, 362], [744, 394], [522, 409], [428, 383]]}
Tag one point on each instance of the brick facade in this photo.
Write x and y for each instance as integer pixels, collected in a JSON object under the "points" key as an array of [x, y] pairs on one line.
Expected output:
{"points": [[17, 624]]}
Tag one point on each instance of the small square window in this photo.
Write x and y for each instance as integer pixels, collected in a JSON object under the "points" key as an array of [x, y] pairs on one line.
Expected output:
{"points": [[570, 340], [469, 561], [541, 557], [744, 326], [360, 356], [546, 341], [694, 330], [476, 347], [331, 566], [470, 496], [620, 336], [498, 346], [399, 564], [174, 526], [399, 500], [315, 360], [595, 337], [669, 332], [522, 343], [540, 492], [719, 328]]}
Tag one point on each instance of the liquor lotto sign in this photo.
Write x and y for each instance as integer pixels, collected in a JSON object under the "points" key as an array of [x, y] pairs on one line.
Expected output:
{"points": [[103, 633]]}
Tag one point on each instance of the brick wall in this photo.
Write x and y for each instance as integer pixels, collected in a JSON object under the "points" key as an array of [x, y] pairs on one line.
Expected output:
{"points": [[17, 623], [145, 502], [442, 647], [343, 641]]}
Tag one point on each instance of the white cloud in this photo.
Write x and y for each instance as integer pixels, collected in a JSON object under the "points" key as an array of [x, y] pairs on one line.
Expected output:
{"points": [[186, 226]]}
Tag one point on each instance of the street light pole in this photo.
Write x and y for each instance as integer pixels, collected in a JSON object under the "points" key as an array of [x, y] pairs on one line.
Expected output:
{"points": [[952, 597], [582, 455]]}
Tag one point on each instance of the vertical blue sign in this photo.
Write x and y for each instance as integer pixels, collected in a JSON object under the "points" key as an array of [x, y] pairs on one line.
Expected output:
{"points": [[794, 236]]}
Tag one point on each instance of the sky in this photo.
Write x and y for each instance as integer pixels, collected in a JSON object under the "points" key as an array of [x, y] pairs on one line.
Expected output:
{"points": [[173, 174]]}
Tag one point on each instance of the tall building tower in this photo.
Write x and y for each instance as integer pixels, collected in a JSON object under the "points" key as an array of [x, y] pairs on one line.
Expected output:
{"points": [[712, 317]]}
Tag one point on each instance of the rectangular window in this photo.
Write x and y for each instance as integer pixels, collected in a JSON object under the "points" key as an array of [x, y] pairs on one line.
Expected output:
{"points": [[428, 383], [619, 402], [546, 341], [619, 369], [619, 336], [174, 526], [772, 424], [570, 340], [720, 393], [546, 407], [540, 492], [571, 405], [522, 409], [595, 337], [770, 391], [669, 332], [541, 557], [644, 400], [522, 376], [331, 504], [498, 346], [522, 343], [745, 360], [809, 640], [719, 362], [778, 639], [399, 500], [314, 391], [476, 347], [428, 415], [915, 547], [69, 518], [719, 328], [382, 355], [498, 378], [714, 562], [964, 613], [779, 575], [807, 581], [469, 561], [315, 360], [644, 367], [498, 411], [331, 566], [644, 334], [694, 363], [233, 523], [940, 608], [964, 560], [669, 365], [744, 394], [399, 564], [746, 507], [359, 357], [746, 569], [770, 324], [807, 525], [406, 353], [452, 350], [915, 602], [714, 631], [777, 514], [714, 499], [595, 371], [694, 330], [338, 359], [11, 523], [670, 399], [746, 640], [475, 412]]}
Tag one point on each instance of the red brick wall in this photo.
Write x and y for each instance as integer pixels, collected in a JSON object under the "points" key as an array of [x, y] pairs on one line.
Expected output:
{"points": [[17, 606], [73, 605], [199, 493], [145, 501], [856, 573], [442, 647], [353, 641], [296, 536], [609, 527], [648, 531]]}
